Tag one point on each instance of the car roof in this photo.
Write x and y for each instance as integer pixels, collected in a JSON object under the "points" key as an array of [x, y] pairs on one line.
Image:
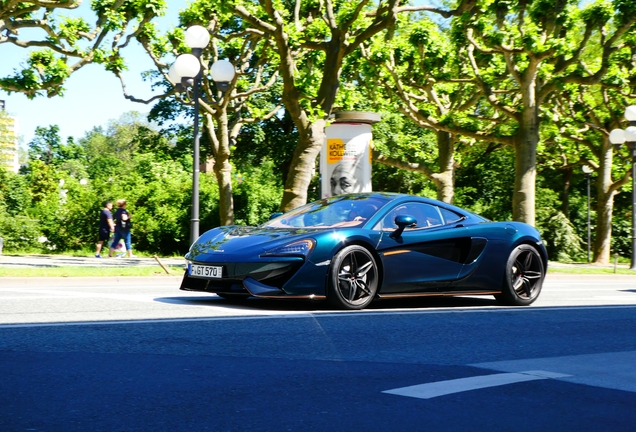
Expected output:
{"points": [[397, 198]]}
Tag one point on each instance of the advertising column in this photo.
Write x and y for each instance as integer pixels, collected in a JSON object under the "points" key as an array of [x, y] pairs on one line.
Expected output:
{"points": [[345, 159]]}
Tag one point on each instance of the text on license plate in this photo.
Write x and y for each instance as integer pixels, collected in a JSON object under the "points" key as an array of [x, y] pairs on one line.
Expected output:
{"points": [[206, 271]]}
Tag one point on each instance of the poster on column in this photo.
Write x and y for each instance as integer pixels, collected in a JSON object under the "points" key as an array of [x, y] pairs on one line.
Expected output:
{"points": [[345, 159]]}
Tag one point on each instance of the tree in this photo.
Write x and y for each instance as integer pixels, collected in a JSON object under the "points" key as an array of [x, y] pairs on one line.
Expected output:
{"points": [[224, 113], [312, 40], [47, 146], [520, 53], [61, 44], [426, 81], [586, 115]]}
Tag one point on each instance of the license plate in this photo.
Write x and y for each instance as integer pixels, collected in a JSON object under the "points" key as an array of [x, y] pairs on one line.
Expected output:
{"points": [[206, 271]]}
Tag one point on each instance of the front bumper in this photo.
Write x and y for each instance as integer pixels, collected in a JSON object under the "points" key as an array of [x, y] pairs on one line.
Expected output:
{"points": [[269, 279]]}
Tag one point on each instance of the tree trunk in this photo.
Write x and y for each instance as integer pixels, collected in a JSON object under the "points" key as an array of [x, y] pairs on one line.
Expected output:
{"points": [[526, 139], [604, 205], [567, 183], [303, 165], [223, 171], [445, 179]]}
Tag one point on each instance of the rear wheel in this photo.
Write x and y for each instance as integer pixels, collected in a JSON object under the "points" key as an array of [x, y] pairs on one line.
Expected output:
{"points": [[524, 277], [353, 279]]}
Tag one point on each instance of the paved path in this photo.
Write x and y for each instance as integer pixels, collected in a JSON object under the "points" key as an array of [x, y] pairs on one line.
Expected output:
{"points": [[19, 261]]}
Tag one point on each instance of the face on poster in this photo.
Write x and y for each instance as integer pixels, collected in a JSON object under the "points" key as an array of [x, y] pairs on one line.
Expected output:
{"points": [[345, 164]]}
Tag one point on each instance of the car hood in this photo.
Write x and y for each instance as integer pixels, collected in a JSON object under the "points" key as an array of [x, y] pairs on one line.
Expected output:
{"points": [[241, 240]]}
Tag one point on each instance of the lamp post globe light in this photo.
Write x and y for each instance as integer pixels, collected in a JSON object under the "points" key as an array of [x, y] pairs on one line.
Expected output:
{"points": [[588, 172], [186, 73], [628, 137], [222, 73], [197, 37]]}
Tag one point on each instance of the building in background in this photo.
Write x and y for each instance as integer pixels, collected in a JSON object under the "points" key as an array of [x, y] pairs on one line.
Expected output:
{"points": [[8, 140]]}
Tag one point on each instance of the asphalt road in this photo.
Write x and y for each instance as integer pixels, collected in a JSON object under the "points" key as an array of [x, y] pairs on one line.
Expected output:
{"points": [[136, 354]]}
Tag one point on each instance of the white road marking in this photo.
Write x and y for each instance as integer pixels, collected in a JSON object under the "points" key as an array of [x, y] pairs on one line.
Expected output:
{"points": [[442, 388], [613, 370]]}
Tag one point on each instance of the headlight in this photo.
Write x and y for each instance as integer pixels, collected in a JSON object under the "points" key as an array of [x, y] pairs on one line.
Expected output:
{"points": [[298, 248]]}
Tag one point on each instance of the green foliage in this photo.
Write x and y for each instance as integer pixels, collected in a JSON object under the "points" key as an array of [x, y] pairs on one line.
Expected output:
{"points": [[273, 141], [47, 147], [159, 199], [484, 182], [391, 179], [257, 193], [151, 169], [43, 180], [19, 233], [43, 70], [59, 43], [50, 207], [626, 8], [72, 28], [14, 193], [559, 234], [621, 242]]}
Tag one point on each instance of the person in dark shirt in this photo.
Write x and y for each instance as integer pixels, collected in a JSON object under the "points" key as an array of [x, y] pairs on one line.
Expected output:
{"points": [[106, 226], [123, 224]]}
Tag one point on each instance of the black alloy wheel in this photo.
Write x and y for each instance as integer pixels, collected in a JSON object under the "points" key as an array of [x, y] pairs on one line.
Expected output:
{"points": [[353, 278], [524, 277]]}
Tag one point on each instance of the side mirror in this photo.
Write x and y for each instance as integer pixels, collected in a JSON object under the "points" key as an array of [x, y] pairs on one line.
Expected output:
{"points": [[403, 221], [275, 215]]}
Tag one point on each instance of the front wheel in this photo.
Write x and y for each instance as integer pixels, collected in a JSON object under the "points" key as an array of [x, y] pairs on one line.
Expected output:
{"points": [[353, 278], [524, 277]]}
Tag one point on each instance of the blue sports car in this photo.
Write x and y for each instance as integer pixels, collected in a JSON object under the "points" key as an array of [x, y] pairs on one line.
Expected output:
{"points": [[351, 249]]}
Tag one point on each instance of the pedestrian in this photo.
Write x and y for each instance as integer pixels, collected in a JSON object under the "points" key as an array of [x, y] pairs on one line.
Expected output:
{"points": [[123, 224], [120, 250], [106, 226]]}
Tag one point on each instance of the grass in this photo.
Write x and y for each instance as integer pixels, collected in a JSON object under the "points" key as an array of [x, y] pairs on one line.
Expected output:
{"points": [[591, 270], [85, 252], [89, 271]]}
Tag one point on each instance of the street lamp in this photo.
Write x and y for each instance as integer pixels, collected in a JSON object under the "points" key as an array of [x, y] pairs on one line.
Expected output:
{"points": [[185, 73], [588, 171], [628, 136]]}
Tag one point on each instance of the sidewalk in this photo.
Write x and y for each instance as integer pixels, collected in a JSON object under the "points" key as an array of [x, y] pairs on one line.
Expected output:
{"points": [[21, 261]]}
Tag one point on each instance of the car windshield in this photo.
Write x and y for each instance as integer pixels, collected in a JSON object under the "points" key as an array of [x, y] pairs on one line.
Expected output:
{"points": [[339, 211]]}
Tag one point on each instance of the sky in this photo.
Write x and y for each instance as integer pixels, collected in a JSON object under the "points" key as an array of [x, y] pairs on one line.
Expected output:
{"points": [[93, 96]]}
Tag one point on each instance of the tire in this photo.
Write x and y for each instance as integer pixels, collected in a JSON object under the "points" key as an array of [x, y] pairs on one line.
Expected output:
{"points": [[353, 278], [524, 277]]}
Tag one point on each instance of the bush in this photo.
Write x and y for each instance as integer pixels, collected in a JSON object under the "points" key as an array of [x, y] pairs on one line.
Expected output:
{"points": [[160, 205], [557, 231], [19, 233], [257, 194]]}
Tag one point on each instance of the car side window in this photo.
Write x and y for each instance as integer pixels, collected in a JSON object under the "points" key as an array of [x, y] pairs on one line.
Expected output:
{"points": [[426, 216], [450, 217]]}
